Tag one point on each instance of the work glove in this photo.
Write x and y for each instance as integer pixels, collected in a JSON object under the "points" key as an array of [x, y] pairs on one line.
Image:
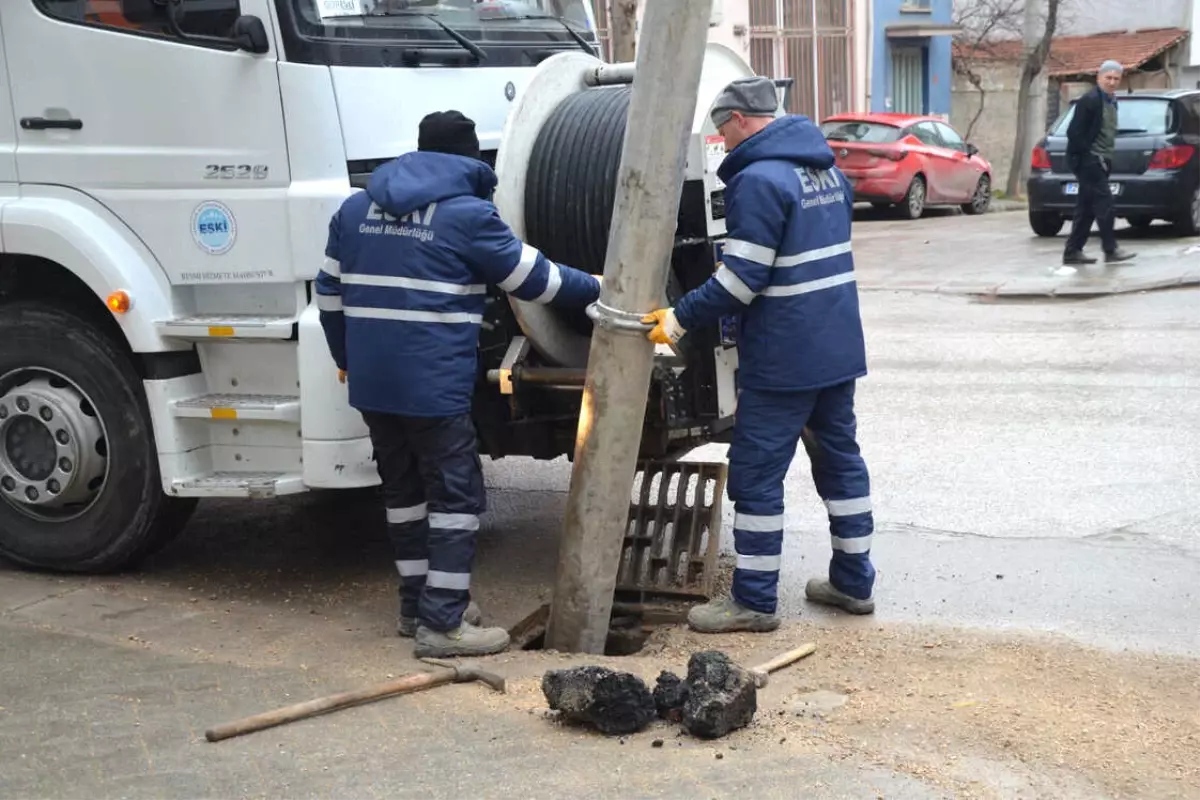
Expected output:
{"points": [[667, 329], [341, 376]]}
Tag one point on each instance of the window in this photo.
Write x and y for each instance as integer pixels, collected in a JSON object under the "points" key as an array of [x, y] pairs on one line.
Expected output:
{"points": [[854, 131], [197, 17], [950, 137], [1135, 116], [927, 134]]}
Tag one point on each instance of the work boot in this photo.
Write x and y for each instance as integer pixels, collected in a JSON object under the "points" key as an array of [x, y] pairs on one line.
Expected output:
{"points": [[1118, 255], [465, 640], [1076, 258], [726, 616], [408, 625], [820, 590]]}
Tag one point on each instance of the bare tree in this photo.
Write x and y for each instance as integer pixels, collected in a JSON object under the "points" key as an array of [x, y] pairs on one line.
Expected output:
{"points": [[1039, 34], [623, 30], [982, 22]]}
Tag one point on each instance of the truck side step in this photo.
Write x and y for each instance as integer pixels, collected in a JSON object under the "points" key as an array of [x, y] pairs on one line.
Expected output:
{"points": [[256, 485], [269, 407], [218, 326]]}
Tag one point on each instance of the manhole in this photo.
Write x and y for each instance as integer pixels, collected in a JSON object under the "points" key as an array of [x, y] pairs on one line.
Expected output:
{"points": [[630, 627]]}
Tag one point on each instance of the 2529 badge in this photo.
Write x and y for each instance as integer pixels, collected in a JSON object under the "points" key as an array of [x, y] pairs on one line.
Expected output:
{"points": [[244, 172]]}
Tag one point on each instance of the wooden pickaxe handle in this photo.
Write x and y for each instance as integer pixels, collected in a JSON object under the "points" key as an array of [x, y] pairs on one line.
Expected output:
{"points": [[322, 705], [780, 661]]}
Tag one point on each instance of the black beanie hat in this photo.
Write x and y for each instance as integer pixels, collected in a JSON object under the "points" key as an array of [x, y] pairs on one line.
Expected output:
{"points": [[448, 132]]}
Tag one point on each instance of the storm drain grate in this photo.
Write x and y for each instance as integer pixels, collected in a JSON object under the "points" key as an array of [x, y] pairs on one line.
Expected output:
{"points": [[674, 530]]}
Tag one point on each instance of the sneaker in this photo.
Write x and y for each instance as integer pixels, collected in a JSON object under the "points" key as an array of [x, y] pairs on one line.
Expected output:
{"points": [[1118, 255], [726, 616], [465, 640], [821, 591], [407, 627], [1077, 258]]}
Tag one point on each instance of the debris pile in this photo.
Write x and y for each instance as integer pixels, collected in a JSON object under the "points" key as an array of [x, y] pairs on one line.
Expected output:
{"points": [[717, 697], [614, 703]]}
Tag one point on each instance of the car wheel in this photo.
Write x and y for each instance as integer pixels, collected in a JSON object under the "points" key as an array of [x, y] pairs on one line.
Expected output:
{"points": [[913, 205], [1188, 222], [982, 200], [1045, 223], [80, 489], [1141, 223]]}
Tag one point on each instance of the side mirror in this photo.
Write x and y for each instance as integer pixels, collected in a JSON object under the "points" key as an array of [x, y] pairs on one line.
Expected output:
{"points": [[972, 151], [250, 34]]}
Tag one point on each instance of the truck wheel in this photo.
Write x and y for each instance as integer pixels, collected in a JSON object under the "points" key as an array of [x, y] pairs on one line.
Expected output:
{"points": [[1045, 223], [80, 489]]}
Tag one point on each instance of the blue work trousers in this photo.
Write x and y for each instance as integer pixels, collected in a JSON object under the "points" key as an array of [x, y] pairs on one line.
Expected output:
{"points": [[433, 490], [766, 431]]}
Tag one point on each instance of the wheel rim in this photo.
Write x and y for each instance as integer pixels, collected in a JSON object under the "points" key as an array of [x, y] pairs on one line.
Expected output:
{"points": [[982, 194], [53, 445], [916, 200], [1196, 209]]}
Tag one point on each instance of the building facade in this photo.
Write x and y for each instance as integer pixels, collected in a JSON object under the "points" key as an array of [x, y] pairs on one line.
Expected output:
{"points": [[912, 69], [821, 45]]}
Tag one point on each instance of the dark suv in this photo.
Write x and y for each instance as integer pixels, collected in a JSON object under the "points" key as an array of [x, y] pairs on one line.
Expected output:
{"points": [[1156, 164]]}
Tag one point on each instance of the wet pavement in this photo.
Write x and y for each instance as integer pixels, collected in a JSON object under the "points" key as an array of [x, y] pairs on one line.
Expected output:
{"points": [[1034, 466]]}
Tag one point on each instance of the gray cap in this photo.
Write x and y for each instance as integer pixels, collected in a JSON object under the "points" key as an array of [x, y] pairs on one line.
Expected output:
{"points": [[753, 97], [1111, 66]]}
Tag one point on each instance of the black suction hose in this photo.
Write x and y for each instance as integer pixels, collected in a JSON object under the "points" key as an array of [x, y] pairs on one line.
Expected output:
{"points": [[572, 180]]}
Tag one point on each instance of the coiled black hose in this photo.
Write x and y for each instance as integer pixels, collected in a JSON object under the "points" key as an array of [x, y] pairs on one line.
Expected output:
{"points": [[572, 180]]}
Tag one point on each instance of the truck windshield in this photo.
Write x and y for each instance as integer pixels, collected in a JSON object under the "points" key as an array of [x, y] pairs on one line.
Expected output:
{"points": [[484, 21]]}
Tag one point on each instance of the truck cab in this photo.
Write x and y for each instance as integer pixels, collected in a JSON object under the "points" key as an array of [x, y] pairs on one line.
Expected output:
{"points": [[167, 178]]}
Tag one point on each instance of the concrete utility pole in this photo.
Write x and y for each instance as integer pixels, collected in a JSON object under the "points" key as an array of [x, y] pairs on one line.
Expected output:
{"points": [[622, 27], [649, 181]]}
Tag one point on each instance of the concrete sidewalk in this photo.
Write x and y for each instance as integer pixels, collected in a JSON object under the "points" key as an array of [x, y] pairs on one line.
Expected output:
{"points": [[997, 255]]}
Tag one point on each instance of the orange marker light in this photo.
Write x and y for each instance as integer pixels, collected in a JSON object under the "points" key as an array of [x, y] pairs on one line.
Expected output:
{"points": [[119, 301]]}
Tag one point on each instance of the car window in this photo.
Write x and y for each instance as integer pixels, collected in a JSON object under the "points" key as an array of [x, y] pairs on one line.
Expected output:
{"points": [[950, 137], [1135, 115], [855, 131], [927, 134]]}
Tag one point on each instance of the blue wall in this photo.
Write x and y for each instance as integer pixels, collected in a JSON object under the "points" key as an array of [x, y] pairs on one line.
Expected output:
{"points": [[938, 69]]}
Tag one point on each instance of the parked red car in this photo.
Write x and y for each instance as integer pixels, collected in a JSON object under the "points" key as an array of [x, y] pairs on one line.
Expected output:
{"points": [[909, 161]]}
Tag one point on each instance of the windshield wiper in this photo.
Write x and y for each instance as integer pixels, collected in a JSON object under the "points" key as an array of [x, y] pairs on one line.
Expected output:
{"points": [[466, 43], [583, 43]]}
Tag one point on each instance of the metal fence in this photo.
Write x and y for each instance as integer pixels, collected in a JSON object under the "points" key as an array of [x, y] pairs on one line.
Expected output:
{"points": [[601, 10], [811, 42]]}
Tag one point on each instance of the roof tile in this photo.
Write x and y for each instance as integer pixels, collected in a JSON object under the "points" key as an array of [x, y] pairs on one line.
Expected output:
{"points": [[1083, 55]]}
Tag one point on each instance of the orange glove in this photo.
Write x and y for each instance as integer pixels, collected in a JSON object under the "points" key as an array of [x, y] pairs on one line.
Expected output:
{"points": [[666, 328], [341, 376]]}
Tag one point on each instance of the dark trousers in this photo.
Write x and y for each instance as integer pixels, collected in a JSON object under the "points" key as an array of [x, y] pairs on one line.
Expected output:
{"points": [[1094, 204], [434, 494], [768, 428]]}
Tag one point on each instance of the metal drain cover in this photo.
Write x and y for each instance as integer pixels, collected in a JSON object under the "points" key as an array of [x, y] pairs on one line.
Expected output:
{"points": [[673, 534]]}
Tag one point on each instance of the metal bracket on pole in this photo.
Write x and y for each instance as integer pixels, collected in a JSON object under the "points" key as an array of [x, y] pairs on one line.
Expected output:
{"points": [[618, 321]]}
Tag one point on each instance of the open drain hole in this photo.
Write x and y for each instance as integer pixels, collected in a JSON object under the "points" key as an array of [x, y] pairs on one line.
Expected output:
{"points": [[630, 627]]}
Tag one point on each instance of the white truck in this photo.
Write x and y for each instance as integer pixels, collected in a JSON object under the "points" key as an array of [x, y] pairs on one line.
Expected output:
{"points": [[168, 169]]}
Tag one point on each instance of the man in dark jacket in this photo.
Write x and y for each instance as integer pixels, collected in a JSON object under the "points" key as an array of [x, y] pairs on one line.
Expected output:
{"points": [[1091, 137], [788, 274], [401, 299]]}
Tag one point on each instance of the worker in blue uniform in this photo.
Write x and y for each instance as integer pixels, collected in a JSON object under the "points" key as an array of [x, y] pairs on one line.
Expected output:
{"points": [[401, 297], [788, 274]]}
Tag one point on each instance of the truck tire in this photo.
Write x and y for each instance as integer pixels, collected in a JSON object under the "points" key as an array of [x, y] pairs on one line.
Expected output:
{"points": [[80, 489], [1045, 223]]}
